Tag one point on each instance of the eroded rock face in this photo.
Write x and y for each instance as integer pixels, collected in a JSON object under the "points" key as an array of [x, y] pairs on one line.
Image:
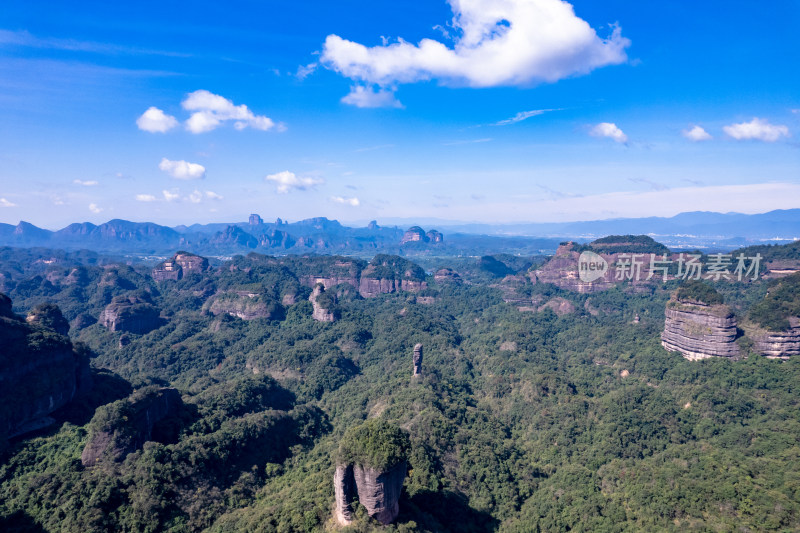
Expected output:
{"points": [[116, 438], [132, 314], [378, 491], [321, 312], [344, 487], [414, 234], [247, 306], [418, 359], [182, 264], [779, 344], [700, 331]]}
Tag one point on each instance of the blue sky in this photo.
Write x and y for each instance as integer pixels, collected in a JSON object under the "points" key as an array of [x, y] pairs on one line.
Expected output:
{"points": [[470, 110]]}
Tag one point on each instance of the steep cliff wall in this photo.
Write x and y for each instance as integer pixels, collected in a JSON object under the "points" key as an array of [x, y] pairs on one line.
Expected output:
{"points": [[700, 331], [39, 373]]}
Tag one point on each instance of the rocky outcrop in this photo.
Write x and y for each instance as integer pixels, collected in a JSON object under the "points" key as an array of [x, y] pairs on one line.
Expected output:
{"points": [[378, 491], [417, 234], [124, 426], [247, 306], [447, 275], [434, 236], [560, 306], [132, 313], [255, 220], [387, 273], [277, 239], [418, 359], [700, 331], [777, 344], [414, 234], [344, 488], [40, 372], [180, 265], [322, 303], [49, 316], [631, 263]]}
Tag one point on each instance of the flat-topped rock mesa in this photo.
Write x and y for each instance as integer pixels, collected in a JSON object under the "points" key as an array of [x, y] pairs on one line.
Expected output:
{"points": [[562, 269], [133, 313], [329, 271], [777, 344], [40, 371], [179, 266], [245, 305], [122, 427], [390, 273], [371, 465], [774, 323], [699, 325], [417, 234], [323, 304]]}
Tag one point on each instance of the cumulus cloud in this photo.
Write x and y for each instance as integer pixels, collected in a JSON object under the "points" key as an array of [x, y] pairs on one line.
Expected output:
{"points": [[522, 115], [610, 130], [182, 170], [211, 195], [171, 196], [6, 203], [757, 129], [499, 43], [353, 202], [366, 97], [90, 183], [287, 181], [156, 121], [211, 110], [696, 133], [145, 198], [94, 208]]}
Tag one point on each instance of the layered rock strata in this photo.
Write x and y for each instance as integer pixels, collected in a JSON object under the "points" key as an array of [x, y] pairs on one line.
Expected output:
{"points": [[700, 331]]}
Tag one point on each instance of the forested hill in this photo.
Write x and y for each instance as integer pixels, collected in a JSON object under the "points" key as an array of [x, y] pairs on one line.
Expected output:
{"points": [[536, 408]]}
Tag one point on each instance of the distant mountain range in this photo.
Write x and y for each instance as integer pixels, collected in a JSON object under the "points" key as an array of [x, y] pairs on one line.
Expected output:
{"points": [[323, 236]]}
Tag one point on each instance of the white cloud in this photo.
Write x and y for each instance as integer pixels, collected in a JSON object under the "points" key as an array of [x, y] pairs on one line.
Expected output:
{"points": [[156, 121], [211, 110], [145, 198], [171, 196], [696, 133], [182, 170], [195, 197], [522, 115], [90, 183], [366, 97], [500, 43], [353, 202], [610, 130], [287, 181], [757, 129], [211, 195], [6, 203], [304, 71], [95, 209]]}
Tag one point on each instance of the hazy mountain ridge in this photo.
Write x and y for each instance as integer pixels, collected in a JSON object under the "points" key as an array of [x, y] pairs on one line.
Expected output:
{"points": [[322, 235]]}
